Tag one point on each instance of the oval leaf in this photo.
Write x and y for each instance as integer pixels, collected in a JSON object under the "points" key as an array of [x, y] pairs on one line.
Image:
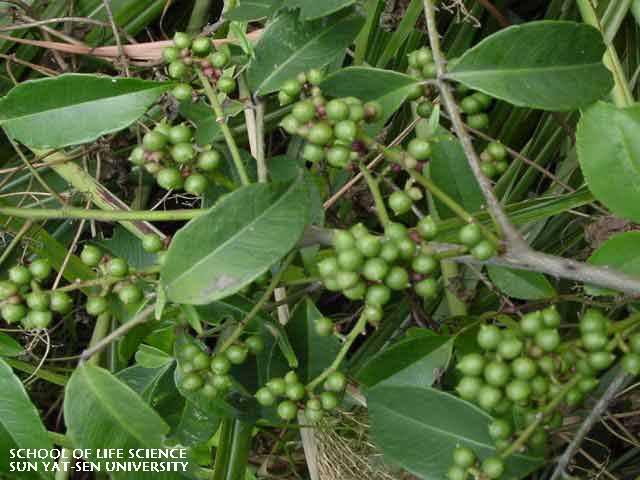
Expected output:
{"points": [[520, 283], [612, 168], [548, 65], [622, 253], [288, 47], [20, 424], [413, 361], [249, 230], [312, 9], [403, 417], [82, 108], [9, 347], [250, 10], [102, 412]]}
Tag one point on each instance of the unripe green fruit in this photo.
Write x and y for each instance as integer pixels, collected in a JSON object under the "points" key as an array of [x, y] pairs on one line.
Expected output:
{"points": [[343, 240], [222, 382], [169, 178], [524, 368], [96, 306], [237, 354], [400, 202], [208, 160], [634, 343], [389, 252], [397, 278], [456, 473], [220, 364], [484, 99], [574, 397], [129, 294], [338, 157], [471, 364], [415, 91], [510, 348], [593, 321], [430, 71], [304, 111], [328, 267], [183, 152], [501, 166], [137, 156], [315, 76], [518, 391], [40, 269], [356, 292], [551, 317], [226, 85], [295, 391], [464, 457], [7, 289], [497, 373], [479, 121], [19, 275], [470, 105], [396, 231], [182, 40], [313, 153], [601, 360], [406, 248], [313, 415], [589, 384], [470, 235], [469, 387], [548, 340], [177, 70], [631, 363], [336, 382], [373, 313], [350, 260], [182, 92], [372, 112], [284, 100], [539, 386], [323, 326], [489, 169], [291, 377], [180, 133], [12, 313], [345, 130], [152, 243], [201, 46], [39, 319], [500, 429], [287, 410], [170, 54], [209, 391], [378, 295], [493, 467], [192, 382], [320, 134], [375, 269], [277, 386], [424, 264], [188, 351], [497, 151], [91, 255], [255, 344], [488, 397], [329, 400], [427, 288], [219, 59], [118, 267], [483, 250], [196, 184], [489, 337], [337, 110], [424, 56], [60, 302], [594, 341], [369, 245], [201, 361], [419, 149], [356, 112], [425, 109], [531, 323], [347, 279], [427, 228], [291, 87], [265, 397]]}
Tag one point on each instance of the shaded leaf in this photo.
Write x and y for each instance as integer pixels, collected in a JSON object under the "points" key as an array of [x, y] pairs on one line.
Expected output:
{"points": [[622, 253], [152, 357], [246, 232], [82, 108], [288, 47], [312, 9], [9, 347], [404, 416], [612, 167], [549, 65], [196, 426], [249, 10], [521, 284], [20, 424]]}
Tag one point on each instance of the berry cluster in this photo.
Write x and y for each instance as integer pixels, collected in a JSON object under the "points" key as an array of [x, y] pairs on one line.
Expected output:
{"points": [[333, 129], [366, 267], [293, 394], [465, 462], [421, 67], [494, 160], [23, 299], [209, 374], [188, 52], [475, 106], [172, 157], [472, 237], [527, 374]]}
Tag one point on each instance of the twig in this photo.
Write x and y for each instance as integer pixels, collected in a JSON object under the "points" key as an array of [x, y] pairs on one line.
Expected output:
{"points": [[495, 13], [600, 407], [116, 35], [38, 68]]}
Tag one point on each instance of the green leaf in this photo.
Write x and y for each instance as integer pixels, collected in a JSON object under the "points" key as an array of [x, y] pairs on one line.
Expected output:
{"points": [[521, 284], [244, 234], [152, 357], [250, 10], [413, 361], [548, 65], [312, 9], [612, 167], [195, 427], [620, 252], [315, 353], [387, 87], [9, 347], [288, 47], [207, 128], [80, 107], [20, 424], [451, 172], [102, 412], [404, 416]]}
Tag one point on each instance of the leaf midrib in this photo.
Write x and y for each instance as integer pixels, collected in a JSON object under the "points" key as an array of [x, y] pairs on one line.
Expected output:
{"points": [[519, 71], [235, 236], [67, 107]]}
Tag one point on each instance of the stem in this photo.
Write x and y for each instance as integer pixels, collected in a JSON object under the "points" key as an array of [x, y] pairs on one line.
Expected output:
{"points": [[621, 93], [60, 439], [15, 241], [100, 330], [220, 118], [358, 328], [374, 187], [38, 372], [102, 215], [259, 304]]}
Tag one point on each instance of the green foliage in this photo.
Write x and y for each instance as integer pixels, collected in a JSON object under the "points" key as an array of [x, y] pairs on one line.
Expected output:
{"points": [[521, 284]]}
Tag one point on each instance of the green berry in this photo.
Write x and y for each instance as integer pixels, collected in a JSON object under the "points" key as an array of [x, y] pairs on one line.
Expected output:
{"points": [[320, 134], [356, 292], [337, 110], [531, 323], [118, 267], [375, 269], [152, 243], [600, 360], [182, 40], [315, 76], [510, 348], [38, 319], [373, 313], [593, 321], [471, 364], [277, 386], [500, 429], [220, 364], [170, 54], [548, 340], [483, 250], [456, 473], [470, 105], [400, 202], [169, 178], [551, 317], [201, 46], [634, 343], [397, 278], [589, 384], [7, 289], [13, 313], [345, 130], [222, 382], [489, 169], [347, 279], [574, 397], [425, 109], [427, 288], [497, 373], [37, 301], [295, 391], [96, 306], [343, 240], [19, 275], [323, 326], [464, 457], [291, 87], [188, 351], [489, 397], [493, 467], [479, 121], [287, 410], [137, 156], [470, 235], [265, 397], [419, 149], [524, 368], [350, 260], [180, 134], [129, 294], [372, 112], [336, 382], [60, 302], [328, 267], [91, 255], [389, 252], [329, 400], [219, 59], [469, 388], [291, 377], [154, 141], [255, 344], [183, 153], [356, 112], [40, 269], [209, 391], [501, 166], [196, 184], [539, 386], [378, 295], [338, 157], [237, 354], [313, 153], [427, 228], [631, 363], [192, 382], [406, 248], [208, 160], [489, 337], [484, 99], [227, 85], [369, 245], [497, 151], [304, 111], [424, 264], [182, 92], [594, 341], [201, 361]]}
